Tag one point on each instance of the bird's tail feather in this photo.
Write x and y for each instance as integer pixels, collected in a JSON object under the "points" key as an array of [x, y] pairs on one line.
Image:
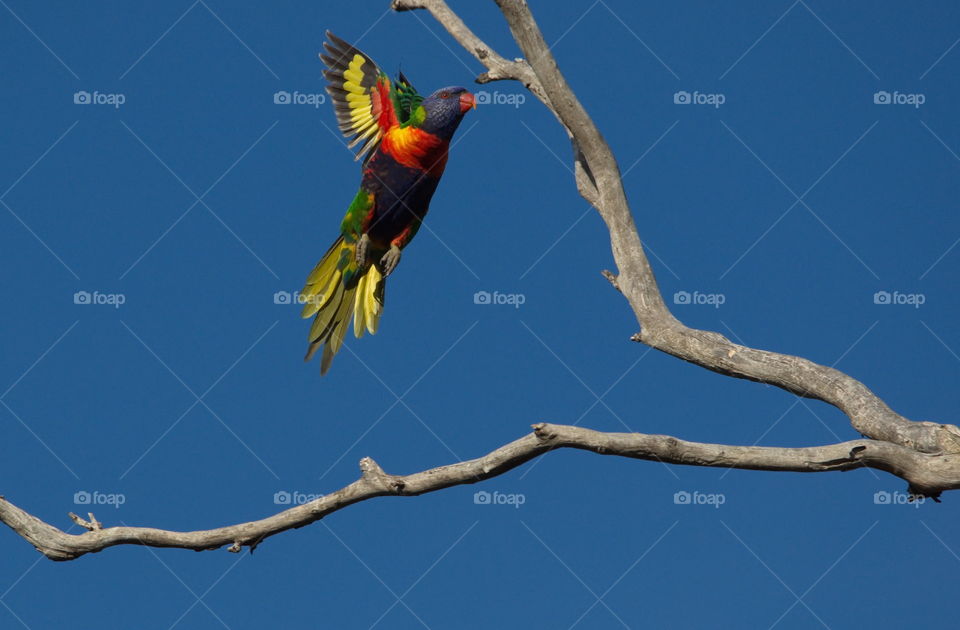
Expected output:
{"points": [[336, 290]]}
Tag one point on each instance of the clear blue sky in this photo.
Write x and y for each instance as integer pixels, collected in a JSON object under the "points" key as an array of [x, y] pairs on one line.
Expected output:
{"points": [[103, 398]]}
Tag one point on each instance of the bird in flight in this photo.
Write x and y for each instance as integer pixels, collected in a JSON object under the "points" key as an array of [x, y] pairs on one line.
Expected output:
{"points": [[403, 139]]}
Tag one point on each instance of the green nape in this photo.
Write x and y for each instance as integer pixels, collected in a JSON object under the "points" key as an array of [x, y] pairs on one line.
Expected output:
{"points": [[418, 116], [406, 102]]}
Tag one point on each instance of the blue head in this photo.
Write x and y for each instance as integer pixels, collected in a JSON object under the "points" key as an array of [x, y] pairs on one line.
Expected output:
{"points": [[445, 109]]}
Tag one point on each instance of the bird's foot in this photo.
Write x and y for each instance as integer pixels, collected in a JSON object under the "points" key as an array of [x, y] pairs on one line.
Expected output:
{"points": [[363, 251], [390, 261]]}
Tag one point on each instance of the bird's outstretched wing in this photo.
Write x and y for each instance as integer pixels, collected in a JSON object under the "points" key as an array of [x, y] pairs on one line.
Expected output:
{"points": [[367, 103]]}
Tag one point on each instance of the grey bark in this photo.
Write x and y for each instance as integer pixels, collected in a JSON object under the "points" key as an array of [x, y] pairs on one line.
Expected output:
{"points": [[926, 473], [925, 454]]}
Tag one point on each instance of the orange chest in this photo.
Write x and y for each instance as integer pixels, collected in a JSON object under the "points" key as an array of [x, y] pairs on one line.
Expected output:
{"points": [[416, 148]]}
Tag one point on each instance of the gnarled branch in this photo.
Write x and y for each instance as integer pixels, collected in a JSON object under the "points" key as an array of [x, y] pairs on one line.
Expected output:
{"points": [[927, 475], [598, 181], [925, 454]]}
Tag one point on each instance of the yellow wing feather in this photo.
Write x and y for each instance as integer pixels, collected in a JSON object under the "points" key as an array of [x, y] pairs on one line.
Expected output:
{"points": [[355, 84]]}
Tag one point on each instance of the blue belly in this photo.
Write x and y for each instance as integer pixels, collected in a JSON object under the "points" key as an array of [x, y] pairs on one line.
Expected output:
{"points": [[401, 197]]}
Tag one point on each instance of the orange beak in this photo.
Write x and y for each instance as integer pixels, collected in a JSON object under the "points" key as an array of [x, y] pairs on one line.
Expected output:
{"points": [[467, 102]]}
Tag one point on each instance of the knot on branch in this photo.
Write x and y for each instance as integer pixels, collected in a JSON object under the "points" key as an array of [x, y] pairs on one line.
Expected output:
{"points": [[841, 463], [543, 431], [92, 525], [949, 438], [374, 475], [406, 5], [611, 278], [238, 545]]}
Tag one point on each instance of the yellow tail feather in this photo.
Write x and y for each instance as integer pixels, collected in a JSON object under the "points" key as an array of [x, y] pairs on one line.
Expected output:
{"points": [[369, 302], [333, 294]]}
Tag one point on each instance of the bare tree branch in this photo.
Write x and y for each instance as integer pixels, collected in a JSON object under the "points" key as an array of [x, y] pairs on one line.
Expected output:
{"points": [[500, 69], [598, 181], [925, 454], [927, 475]]}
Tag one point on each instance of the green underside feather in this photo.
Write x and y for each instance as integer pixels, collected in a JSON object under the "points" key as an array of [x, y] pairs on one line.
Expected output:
{"points": [[352, 225]]}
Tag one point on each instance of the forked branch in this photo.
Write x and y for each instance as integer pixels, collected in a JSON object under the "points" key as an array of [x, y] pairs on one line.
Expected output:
{"points": [[925, 454], [598, 181]]}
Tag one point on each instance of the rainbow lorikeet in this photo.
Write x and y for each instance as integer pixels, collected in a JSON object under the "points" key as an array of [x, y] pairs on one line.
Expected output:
{"points": [[403, 139]]}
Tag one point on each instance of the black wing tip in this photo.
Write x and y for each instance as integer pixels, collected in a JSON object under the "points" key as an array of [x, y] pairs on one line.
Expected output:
{"points": [[328, 61], [333, 50], [340, 43], [332, 75]]}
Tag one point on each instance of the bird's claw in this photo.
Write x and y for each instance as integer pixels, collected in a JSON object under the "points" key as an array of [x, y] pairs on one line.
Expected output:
{"points": [[390, 261], [363, 251]]}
